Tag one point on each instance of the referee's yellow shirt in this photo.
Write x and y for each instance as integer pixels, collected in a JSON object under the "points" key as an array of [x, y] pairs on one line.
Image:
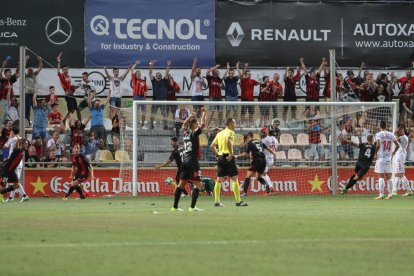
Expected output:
{"points": [[220, 141]]}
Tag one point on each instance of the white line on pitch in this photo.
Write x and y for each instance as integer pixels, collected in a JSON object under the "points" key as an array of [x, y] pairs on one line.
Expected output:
{"points": [[212, 242]]}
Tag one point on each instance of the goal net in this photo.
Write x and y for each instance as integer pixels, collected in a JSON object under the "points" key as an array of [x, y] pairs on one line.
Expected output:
{"points": [[310, 157]]}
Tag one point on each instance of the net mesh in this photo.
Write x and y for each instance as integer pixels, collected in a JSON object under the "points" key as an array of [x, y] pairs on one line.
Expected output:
{"points": [[303, 162]]}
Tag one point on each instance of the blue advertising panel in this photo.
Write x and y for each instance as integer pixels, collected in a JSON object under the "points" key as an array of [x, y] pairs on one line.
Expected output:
{"points": [[119, 32]]}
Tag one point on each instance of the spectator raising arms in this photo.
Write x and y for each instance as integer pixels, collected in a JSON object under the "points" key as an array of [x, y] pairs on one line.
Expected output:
{"points": [[247, 89], [89, 92], [97, 116], [68, 88], [232, 93], [159, 92], [214, 88], [312, 81], [31, 85], [139, 90], [6, 88], [197, 85], [275, 92], [115, 86], [40, 111]]}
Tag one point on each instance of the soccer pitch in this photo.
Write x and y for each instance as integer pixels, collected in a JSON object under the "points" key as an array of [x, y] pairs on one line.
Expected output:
{"points": [[290, 235]]}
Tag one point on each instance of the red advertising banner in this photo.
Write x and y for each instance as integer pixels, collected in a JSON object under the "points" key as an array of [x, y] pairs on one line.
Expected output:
{"points": [[286, 181]]}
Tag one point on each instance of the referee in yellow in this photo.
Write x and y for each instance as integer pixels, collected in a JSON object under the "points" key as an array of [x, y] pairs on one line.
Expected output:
{"points": [[226, 162]]}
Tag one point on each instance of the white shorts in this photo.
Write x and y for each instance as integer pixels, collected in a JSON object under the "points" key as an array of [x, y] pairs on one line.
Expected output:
{"points": [[269, 164], [398, 166], [383, 166], [19, 169]]}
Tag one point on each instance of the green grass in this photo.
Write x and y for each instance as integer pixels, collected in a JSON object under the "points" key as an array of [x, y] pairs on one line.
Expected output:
{"points": [[291, 235]]}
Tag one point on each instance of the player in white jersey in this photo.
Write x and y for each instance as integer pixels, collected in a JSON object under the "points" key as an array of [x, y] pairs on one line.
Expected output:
{"points": [[383, 165], [271, 142], [10, 144], [398, 163]]}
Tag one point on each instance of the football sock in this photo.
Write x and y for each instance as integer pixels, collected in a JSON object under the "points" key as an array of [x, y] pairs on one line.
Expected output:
{"points": [[71, 189], [351, 182], [79, 190], [236, 191], [406, 184], [262, 181], [11, 195], [268, 181], [390, 187], [177, 196], [194, 196], [217, 191], [381, 183], [6, 190], [246, 185], [22, 191], [397, 182]]}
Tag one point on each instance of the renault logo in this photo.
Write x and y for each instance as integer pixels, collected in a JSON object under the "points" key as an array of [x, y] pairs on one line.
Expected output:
{"points": [[235, 34], [58, 30]]}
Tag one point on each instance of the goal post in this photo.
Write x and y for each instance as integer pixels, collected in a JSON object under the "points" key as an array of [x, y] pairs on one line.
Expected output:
{"points": [[303, 163]]}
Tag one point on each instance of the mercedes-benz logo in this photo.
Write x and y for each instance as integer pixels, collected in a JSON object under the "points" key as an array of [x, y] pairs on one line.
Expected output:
{"points": [[58, 30], [235, 34]]}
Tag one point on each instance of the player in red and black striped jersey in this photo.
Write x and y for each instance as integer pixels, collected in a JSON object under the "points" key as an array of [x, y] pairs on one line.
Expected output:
{"points": [[312, 82], [190, 168], [80, 172], [8, 168], [255, 148]]}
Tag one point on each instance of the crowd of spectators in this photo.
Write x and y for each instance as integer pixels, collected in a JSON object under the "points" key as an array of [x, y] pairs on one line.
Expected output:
{"points": [[53, 134]]}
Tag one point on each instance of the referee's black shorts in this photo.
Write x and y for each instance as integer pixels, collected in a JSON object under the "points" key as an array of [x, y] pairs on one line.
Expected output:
{"points": [[225, 167], [258, 165], [361, 170]]}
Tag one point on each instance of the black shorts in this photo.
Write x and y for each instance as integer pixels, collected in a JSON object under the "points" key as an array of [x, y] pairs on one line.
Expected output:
{"points": [[258, 165], [8, 177], [177, 176], [80, 178], [226, 168], [361, 170], [248, 108], [83, 104], [71, 103], [190, 171], [312, 99]]}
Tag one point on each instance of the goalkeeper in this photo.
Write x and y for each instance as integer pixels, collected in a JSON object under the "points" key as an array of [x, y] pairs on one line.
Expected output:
{"points": [[207, 185], [175, 156]]}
